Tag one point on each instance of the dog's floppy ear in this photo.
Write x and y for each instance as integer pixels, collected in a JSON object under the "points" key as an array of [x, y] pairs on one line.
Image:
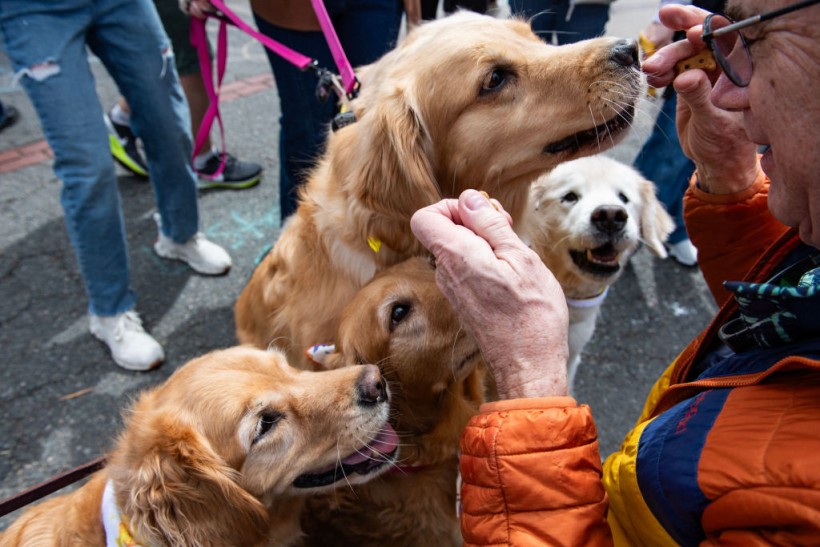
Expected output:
{"points": [[395, 175], [656, 224], [177, 491]]}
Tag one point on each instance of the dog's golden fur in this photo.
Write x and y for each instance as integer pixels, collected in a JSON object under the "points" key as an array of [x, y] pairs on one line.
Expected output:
{"points": [[467, 101], [403, 323], [210, 457]]}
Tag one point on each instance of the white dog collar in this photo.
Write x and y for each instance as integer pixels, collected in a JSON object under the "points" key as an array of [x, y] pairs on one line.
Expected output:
{"points": [[587, 302], [114, 522]]}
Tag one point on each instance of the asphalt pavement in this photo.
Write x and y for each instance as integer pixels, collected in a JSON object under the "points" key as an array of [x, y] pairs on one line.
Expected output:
{"points": [[61, 396]]}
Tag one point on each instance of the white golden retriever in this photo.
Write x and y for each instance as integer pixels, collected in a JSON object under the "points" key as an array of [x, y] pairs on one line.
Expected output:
{"points": [[585, 219]]}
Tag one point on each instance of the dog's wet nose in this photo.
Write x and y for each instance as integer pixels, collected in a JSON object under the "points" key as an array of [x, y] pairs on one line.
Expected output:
{"points": [[609, 219], [625, 53], [371, 388]]}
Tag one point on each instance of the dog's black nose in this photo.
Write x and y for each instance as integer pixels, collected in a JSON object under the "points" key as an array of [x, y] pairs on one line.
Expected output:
{"points": [[625, 53], [371, 388], [609, 220]]}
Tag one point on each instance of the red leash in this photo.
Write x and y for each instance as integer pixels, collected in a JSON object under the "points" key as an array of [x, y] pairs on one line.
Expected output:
{"points": [[39, 491]]}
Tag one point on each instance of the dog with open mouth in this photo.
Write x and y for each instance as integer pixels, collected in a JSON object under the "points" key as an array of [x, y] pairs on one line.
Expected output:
{"points": [[466, 101], [585, 219], [225, 453], [403, 323]]}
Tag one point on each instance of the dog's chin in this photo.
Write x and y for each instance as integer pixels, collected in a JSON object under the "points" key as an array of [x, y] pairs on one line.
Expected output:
{"points": [[599, 262], [596, 138], [360, 466]]}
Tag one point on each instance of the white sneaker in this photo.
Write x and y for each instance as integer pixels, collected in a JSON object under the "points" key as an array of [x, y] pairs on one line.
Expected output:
{"points": [[684, 252], [131, 347], [201, 255]]}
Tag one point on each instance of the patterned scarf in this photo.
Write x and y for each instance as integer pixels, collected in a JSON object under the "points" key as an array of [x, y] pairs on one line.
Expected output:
{"points": [[783, 310]]}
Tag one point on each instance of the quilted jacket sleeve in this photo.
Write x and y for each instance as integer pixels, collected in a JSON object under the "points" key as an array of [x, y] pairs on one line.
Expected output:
{"points": [[531, 475], [730, 231]]}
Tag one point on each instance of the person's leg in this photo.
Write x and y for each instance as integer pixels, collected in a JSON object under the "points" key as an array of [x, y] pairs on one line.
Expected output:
{"points": [[48, 47], [662, 161], [129, 39], [429, 9], [542, 14], [581, 22], [303, 120], [367, 29], [478, 6], [177, 27]]}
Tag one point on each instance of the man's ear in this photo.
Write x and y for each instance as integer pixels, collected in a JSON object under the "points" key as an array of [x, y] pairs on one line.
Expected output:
{"points": [[176, 490]]}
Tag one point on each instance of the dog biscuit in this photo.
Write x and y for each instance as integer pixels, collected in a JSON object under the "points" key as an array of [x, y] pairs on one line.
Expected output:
{"points": [[486, 195], [704, 60]]}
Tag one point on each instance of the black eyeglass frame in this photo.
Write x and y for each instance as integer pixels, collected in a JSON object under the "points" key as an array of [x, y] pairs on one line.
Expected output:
{"points": [[709, 35]]}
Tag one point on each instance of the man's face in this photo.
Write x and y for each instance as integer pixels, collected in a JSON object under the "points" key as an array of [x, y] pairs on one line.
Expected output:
{"points": [[781, 108]]}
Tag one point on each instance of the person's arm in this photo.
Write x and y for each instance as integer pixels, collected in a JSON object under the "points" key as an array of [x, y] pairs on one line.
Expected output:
{"points": [[502, 291], [714, 139], [730, 231], [531, 469], [531, 475], [725, 211]]}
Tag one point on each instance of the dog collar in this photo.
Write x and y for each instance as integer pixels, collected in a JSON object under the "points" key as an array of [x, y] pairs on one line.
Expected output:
{"points": [[114, 522], [587, 302]]}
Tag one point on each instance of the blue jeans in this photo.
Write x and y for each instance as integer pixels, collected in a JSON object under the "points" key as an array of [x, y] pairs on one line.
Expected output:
{"points": [[367, 29], [548, 18], [661, 160], [46, 41]]}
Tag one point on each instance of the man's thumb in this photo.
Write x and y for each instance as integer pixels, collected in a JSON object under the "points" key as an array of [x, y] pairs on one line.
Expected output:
{"points": [[485, 218], [694, 88]]}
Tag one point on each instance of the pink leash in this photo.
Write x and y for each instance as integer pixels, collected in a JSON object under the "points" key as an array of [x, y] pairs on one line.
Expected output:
{"points": [[199, 39]]}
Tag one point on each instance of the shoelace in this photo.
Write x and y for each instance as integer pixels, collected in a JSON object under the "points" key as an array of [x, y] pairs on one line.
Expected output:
{"points": [[130, 321]]}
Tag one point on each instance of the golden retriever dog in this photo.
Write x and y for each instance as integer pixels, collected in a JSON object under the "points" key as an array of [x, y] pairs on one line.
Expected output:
{"points": [[224, 453], [467, 101], [585, 220], [402, 322]]}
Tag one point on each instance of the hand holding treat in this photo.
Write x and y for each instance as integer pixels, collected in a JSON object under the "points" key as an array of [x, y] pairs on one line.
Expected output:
{"points": [[713, 138]]}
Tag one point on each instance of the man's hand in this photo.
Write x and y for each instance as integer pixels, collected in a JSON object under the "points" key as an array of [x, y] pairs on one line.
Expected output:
{"points": [[713, 138], [502, 291], [197, 8]]}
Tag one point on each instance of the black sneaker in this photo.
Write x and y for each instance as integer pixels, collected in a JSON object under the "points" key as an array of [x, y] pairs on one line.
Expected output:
{"points": [[10, 116], [237, 174], [124, 147]]}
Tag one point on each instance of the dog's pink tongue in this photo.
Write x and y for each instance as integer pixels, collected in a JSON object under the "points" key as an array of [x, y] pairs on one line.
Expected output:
{"points": [[384, 443]]}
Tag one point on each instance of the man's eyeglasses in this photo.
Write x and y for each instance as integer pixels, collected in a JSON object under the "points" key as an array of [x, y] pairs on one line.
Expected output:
{"points": [[730, 47]]}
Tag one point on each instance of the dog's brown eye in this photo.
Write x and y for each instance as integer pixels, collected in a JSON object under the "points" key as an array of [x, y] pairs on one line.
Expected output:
{"points": [[570, 197], [266, 422], [623, 197], [494, 81], [397, 315]]}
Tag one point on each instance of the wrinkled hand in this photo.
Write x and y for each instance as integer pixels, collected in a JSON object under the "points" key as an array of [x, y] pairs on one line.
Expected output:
{"points": [[713, 138], [502, 291], [196, 8]]}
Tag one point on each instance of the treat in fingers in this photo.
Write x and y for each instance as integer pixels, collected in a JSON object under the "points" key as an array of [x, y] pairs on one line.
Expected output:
{"points": [[703, 60]]}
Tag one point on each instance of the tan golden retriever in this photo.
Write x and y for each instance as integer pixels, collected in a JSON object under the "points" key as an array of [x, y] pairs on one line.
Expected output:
{"points": [[585, 220], [467, 101], [403, 323], [224, 454]]}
